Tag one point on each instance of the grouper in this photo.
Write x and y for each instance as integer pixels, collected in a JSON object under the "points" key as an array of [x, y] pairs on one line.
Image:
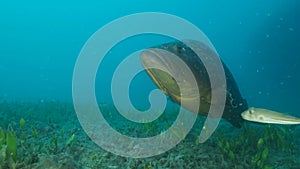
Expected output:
{"points": [[235, 104], [236, 108]]}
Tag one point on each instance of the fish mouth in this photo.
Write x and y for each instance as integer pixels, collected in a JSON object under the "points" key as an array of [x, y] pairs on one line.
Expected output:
{"points": [[157, 65], [164, 67], [153, 58], [172, 77]]}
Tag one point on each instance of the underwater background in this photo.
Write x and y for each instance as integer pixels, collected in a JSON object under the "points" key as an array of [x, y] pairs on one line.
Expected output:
{"points": [[40, 41]]}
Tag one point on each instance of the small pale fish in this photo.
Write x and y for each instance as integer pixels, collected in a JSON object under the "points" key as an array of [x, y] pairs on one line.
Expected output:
{"points": [[268, 116]]}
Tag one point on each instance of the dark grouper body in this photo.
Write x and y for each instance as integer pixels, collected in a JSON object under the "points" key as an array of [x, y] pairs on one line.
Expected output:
{"points": [[235, 104]]}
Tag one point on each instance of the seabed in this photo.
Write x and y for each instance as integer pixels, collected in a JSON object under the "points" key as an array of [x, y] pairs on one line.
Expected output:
{"points": [[38, 135]]}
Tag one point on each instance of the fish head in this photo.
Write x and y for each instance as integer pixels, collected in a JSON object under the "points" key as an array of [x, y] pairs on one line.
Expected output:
{"points": [[253, 115], [171, 75]]}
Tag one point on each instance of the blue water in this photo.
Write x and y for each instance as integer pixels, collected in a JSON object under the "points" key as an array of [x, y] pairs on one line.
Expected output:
{"points": [[259, 41]]}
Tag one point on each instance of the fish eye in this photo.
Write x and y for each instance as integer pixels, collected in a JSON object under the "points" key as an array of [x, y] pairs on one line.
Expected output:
{"points": [[251, 111]]}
